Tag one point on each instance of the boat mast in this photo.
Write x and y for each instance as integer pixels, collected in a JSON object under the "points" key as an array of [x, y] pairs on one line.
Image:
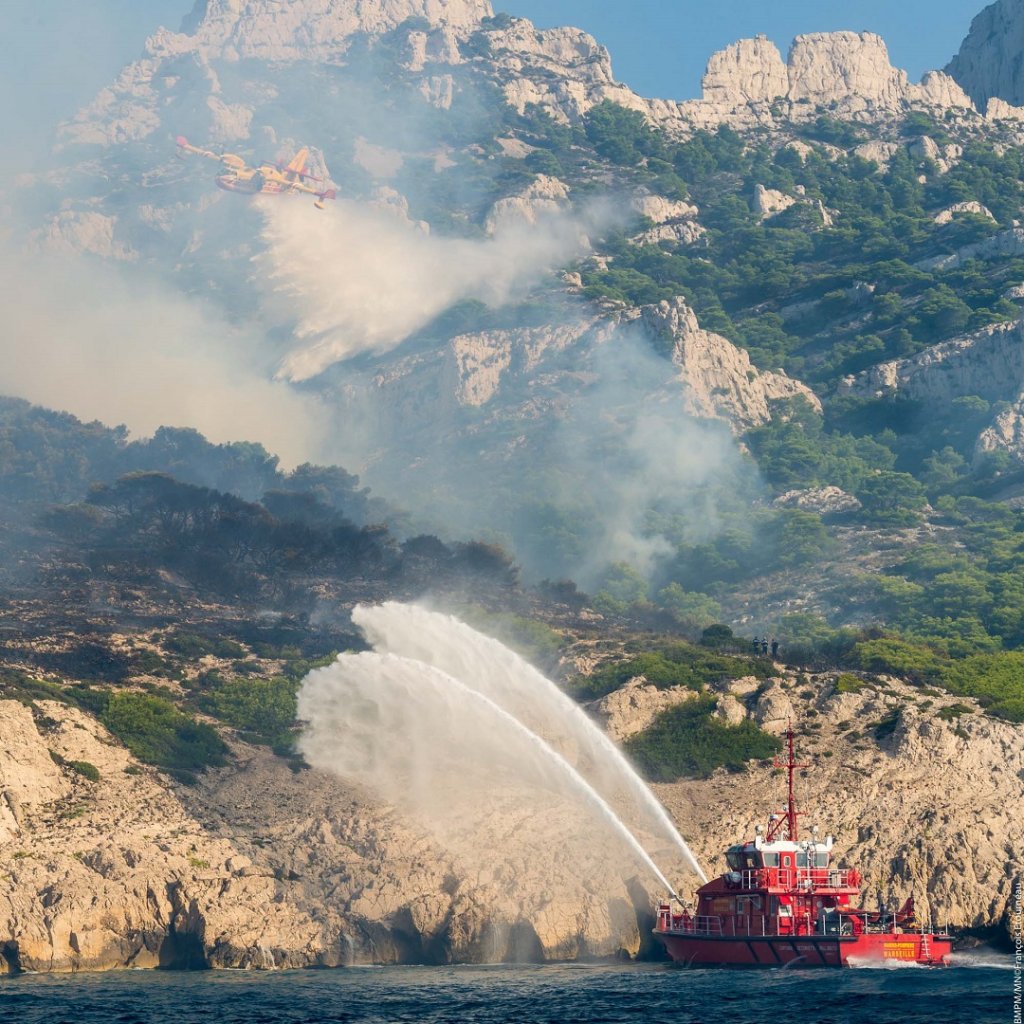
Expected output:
{"points": [[791, 803], [791, 812]]}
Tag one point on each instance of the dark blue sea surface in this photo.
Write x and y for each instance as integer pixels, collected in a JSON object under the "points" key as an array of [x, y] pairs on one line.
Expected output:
{"points": [[654, 994]]}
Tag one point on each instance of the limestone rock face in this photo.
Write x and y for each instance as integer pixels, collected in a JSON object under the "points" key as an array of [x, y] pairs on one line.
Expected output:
{"points": [[988, 363], [673, 220], [257, 867], [988, 64], [836, 67], [970, 206], [847, 73], [823, 500], [635, 706], [303, 29], [770, 201], [718, 380], [564, 71], [747, 71], [544, 196], [77, 231]]}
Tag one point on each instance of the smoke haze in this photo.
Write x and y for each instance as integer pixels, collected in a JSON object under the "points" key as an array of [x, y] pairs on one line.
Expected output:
{"points": [[358, 279], [106, 343]]}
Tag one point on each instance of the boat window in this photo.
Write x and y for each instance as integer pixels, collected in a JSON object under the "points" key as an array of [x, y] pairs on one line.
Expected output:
{"points": [[753, 860], [771, 860], [735, 861]]}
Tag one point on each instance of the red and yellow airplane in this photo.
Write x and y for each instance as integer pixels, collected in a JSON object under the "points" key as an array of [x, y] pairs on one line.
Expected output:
{"points": [[270, 178]]}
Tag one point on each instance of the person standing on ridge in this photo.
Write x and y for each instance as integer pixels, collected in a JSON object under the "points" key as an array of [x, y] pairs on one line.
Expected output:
{"points": [[775, 648]]}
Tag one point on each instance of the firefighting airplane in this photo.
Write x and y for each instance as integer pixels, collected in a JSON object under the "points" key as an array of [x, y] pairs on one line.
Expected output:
{"points": [[271, 178]]}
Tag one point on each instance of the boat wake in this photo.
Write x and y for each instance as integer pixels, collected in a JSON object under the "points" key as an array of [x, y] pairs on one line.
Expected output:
{"points": [[988, 958]]}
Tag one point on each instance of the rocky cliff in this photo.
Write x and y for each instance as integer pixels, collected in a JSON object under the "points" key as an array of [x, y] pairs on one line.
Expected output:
{"points": [[847, 73], [259, 866], [988, 65], [987, 364]]}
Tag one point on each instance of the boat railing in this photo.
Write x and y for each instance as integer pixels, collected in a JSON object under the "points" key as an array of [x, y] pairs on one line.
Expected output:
{"points": [[799, 878], [692, 924]]}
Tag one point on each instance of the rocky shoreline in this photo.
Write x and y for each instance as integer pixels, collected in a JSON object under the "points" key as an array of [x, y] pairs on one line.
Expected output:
{"points": [[259, 866]]}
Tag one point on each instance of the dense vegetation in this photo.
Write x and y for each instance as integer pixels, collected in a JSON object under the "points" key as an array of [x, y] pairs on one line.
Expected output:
{"points": [[664, 666], [688, 740]]}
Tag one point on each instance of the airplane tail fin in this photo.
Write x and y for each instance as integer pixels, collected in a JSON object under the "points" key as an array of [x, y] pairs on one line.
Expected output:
{"points": [[321, 196]]}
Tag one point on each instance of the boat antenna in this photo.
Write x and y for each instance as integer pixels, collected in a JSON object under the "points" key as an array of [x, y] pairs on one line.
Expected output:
{"points": [[791, 812]]}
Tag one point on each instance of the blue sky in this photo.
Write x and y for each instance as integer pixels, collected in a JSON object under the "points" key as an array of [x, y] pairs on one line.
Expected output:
{"points": [[660, 47], [55, 53]]}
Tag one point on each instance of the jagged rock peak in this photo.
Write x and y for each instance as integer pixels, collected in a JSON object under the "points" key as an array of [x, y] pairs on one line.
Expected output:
{"points": [[271, 30], [848, 72], [989, 63], [750, 70]]}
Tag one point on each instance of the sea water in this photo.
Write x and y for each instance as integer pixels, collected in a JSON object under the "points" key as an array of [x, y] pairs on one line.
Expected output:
{"points": [[649, 993]]}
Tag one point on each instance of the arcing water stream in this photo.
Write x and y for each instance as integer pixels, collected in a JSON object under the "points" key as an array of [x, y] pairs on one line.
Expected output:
{"points": [[488, 667], [391, 722]]}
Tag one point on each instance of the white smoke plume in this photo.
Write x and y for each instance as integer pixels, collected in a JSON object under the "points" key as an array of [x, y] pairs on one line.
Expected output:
{"points": [[357, 279], [489, 668], [441, 751], [107, 342], [635, 449]]}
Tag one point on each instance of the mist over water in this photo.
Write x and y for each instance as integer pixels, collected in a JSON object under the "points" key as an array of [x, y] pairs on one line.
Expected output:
{"points": [[487, 666], [445, 723], [417, 735]]}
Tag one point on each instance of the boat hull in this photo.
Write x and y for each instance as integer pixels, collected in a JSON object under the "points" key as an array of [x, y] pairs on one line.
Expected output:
{"points": [[806, 950]]}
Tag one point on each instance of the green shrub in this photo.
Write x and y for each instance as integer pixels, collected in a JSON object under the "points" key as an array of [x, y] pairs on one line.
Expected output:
{"points": [[193, 646], [995, 680], [687, 741], [86, 770], [156, 732], [673, 665], [848, 683], [886, 725], [263, 710], [953, 711]]}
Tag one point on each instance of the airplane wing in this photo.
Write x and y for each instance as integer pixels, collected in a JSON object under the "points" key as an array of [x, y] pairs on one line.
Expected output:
{"points": [[297, 167], [186, 147]]}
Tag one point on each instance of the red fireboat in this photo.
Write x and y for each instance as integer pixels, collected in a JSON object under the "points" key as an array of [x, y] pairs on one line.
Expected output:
{"points": [[782, 902]]}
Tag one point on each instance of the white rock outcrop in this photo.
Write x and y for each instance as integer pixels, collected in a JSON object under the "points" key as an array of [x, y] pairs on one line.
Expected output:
{"points": [[634, 707], [846, 74], [988, 65], [770, 201], [256, 867], [716, 378], [988, 364], [83, 231], [304, 29], [823, 500], [544, 197], [673, 220], [947, 215], [749, 71]]}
